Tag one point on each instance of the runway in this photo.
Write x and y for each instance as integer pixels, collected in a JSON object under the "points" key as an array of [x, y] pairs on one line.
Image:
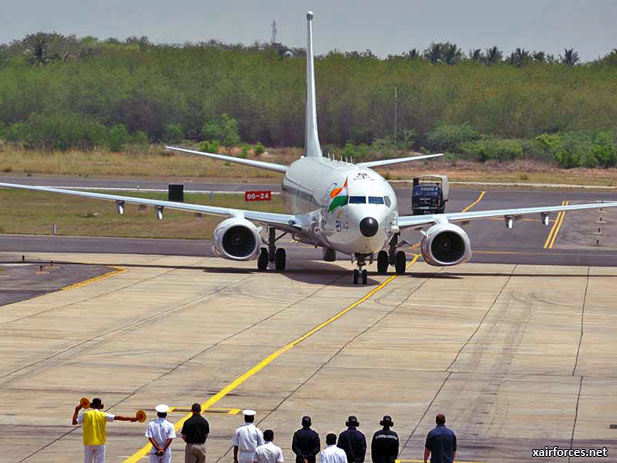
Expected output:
{"points": [[517, 355]]}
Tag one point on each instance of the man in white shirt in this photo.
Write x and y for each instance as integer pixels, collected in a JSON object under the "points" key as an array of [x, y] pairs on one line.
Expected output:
{"points": [[268, 452], [332, 454], [247, 439], [160, 433]]}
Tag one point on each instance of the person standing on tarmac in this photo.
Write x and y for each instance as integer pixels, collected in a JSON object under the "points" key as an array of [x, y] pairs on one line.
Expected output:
{"points": [[332, 454], [440, 443], [160, 433], [268, 452], [384, 446], [247, 439], [194, 432], [95, 429], [353, 441], [305, 443]]}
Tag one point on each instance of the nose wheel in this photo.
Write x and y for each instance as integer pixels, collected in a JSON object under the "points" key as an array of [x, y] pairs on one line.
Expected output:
{"points": [[360, 274]]}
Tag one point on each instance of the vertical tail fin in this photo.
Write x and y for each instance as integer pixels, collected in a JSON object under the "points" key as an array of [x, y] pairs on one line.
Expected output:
{"points": [[312, 147]]}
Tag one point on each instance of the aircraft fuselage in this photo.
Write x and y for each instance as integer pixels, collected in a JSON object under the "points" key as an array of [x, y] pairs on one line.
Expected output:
{"points": [[345, 207]]}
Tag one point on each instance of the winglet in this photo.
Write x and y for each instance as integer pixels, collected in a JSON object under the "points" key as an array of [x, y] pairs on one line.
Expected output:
{"points": [[312, 147]]}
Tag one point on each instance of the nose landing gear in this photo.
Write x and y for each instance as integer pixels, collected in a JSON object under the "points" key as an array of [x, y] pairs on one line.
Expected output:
{"points": [[360, 273]]}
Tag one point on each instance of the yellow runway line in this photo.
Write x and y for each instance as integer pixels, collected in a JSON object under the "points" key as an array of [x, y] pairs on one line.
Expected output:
{"points": [[269, 359], [563, 216], [475, 202], [552, 235], [553, 228], [115, 271]]}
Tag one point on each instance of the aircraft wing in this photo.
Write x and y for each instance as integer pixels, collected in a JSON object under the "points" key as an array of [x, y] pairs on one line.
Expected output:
{"points": [[386, 162], [420, 221], [247, 162], [286, 222]]}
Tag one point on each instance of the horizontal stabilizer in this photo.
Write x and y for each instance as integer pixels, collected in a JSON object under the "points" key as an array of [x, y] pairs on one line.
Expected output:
{"points": [[246, 162], [386, 162]]}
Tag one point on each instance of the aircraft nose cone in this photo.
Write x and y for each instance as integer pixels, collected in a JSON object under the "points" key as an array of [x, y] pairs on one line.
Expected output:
{"points": [[369, 226]]}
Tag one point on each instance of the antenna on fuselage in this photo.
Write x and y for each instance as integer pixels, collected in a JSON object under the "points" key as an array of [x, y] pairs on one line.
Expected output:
{"points": [[312, 147]]}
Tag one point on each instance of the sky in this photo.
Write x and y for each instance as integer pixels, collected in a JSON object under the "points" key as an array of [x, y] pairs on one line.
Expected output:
{"points": [[383, 26]]}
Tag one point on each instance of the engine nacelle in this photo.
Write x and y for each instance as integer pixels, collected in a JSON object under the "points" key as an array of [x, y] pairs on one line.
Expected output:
{"points": [[446, 244], [236, 239]]}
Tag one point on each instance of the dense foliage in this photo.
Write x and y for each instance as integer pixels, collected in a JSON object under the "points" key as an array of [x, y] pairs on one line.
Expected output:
{"points": [[61, 92]]}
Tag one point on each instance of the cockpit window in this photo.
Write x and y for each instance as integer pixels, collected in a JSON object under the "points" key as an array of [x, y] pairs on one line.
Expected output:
{"points": [[387, 200], [357, 200], [375, 200]]}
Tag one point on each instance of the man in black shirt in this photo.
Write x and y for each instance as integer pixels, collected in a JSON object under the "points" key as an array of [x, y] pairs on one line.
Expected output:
{"points": [[384, 446], [305, 443], [353, 441], [194, 432], [440, 443]]}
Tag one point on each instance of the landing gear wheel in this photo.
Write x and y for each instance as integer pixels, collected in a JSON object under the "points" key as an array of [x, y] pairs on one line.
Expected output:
{"points": [[364, 277], [400, 262], [356, 275], [382, 262], [262, 260], [279, 259]]}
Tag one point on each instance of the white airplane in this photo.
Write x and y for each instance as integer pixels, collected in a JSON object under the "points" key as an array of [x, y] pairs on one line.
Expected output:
{"points": [[338, 206]]}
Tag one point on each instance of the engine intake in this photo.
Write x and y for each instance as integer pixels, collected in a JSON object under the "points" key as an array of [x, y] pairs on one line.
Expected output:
{"points": [[236, 239], [446, 244]]}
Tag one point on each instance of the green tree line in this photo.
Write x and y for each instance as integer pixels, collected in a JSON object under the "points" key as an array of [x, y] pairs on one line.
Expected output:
{"points": [[59, 92]]}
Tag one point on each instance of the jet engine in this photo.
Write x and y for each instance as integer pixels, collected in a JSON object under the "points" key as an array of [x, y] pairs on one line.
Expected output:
{"points": [[236, 239], [446, 244]]}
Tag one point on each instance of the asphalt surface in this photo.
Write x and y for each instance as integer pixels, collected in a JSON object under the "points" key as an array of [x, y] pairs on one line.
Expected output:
{"points": [[24, 280]]}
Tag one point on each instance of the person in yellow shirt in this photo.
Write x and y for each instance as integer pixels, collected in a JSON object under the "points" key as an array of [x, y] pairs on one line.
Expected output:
{"points": [[95, 429]]}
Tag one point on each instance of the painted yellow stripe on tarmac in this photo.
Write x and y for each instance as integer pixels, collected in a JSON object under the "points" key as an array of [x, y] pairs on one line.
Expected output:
{"points": [[552, 235], [115, 271], [475, 202], [553, 228], [269, 359], [563, 216]]}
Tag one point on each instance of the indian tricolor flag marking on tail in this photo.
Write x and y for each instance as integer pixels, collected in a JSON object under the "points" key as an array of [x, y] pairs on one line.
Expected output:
{"points": [[338, 197]]}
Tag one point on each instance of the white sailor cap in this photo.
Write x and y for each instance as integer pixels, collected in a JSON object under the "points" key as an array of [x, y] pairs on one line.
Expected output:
{"points": [[249, 412], [162, 408]]}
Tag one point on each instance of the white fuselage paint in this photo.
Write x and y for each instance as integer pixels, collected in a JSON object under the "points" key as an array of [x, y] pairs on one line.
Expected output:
{"points": [[307, 188]]}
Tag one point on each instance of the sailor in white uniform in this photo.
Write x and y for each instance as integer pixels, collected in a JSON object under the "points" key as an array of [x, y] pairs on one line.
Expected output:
{"points": [[247, 439]]}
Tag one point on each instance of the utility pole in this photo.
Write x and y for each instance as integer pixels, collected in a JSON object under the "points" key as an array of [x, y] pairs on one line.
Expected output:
{"points": [[274, 32], [395, 113]]}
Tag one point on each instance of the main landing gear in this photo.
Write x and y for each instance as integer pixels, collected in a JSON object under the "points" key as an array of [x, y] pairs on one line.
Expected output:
{"points": [[392, 257], [272, 253]]}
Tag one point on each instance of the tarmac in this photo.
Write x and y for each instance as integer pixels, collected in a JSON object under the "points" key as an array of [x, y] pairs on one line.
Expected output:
{"points": [[518, 356]]}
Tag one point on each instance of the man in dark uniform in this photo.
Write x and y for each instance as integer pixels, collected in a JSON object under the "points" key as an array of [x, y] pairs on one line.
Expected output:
{"points": [[305, 443], [440, 443], [384, 446], [353, 441]]}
